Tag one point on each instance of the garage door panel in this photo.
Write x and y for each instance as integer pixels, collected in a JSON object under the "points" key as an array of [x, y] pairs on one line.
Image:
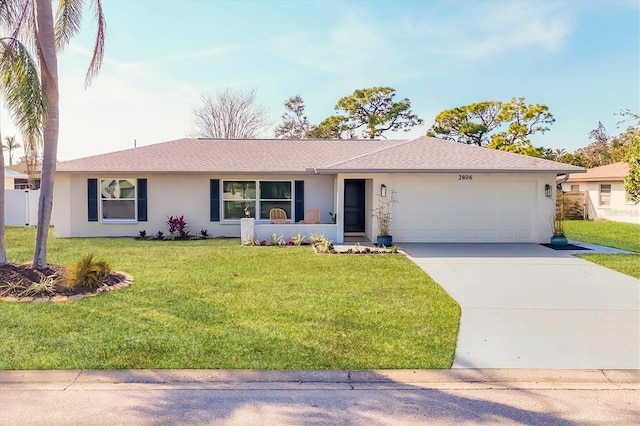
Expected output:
{"points": [[464, 212]]}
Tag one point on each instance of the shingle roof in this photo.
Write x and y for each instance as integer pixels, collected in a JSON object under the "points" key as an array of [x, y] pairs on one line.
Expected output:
{"points": [[307, 156], [610, 172]]}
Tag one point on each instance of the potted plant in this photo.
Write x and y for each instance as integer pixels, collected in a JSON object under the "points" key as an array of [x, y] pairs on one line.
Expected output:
{"points": [[558, 238], [383, 216]]}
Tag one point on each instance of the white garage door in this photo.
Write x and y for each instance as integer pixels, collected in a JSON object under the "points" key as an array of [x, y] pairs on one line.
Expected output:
{"points": [[464, 211]]}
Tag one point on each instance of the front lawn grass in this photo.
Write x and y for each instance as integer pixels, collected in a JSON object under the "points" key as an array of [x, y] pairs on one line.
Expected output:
{"points": [[625, 236], [215, 304], [626, 263]]}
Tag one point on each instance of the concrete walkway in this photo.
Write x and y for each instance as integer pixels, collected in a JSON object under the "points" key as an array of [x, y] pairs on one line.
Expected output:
{"points": [[385, 397], [528, 306]]}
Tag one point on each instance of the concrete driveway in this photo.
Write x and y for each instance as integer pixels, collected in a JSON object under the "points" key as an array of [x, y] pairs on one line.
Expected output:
{"points": [[528, 306]]}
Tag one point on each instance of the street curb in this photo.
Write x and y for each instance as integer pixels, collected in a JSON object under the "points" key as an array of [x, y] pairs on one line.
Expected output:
{"points": [[332, 379]]}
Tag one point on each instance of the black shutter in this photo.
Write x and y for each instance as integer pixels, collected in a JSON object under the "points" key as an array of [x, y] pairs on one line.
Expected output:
{"points": [[92, 200], [299, 202], [142, 200], [214, 200]]}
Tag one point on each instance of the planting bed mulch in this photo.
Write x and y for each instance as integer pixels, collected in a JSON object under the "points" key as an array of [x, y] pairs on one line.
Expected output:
{"points": [[15, 280]]}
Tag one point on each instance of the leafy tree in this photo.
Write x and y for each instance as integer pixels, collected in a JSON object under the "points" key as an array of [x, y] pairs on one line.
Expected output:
{"points": [[470, 124], [597, 153], [230, 115], [524, 120], [295, 124], [333, 127], [32, 22], [483, 124], [619, 145], [371, 112], [10, 145], [632, 157]]}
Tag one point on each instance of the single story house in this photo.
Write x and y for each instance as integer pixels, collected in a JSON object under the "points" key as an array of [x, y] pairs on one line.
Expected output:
{"points": [[605, 196], [444, 191], [15, 180]]}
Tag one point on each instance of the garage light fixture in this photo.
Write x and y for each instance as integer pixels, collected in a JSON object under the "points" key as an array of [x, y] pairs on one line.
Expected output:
{"points": [[547, 190], [383, 190]]}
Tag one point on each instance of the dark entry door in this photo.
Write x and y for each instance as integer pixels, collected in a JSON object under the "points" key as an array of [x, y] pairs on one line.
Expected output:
{"points": [[354, 211]]}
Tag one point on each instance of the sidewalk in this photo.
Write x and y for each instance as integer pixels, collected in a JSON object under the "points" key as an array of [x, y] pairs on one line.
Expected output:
{"points": [[320, 397]]}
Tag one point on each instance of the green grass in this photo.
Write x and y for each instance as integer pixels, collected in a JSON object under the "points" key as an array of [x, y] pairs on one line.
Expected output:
{"points": [[215, 304], [625, 236], [626, 263]]}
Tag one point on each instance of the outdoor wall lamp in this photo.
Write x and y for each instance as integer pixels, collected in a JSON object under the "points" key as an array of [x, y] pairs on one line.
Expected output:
{"points": [[547, 190], [383, 190]]}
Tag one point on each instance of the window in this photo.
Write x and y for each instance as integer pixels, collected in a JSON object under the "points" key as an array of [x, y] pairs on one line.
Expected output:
{"points": [[238, 196], [275, 195], [255, 196], [118, 199], [575, 188], [605, 195]]}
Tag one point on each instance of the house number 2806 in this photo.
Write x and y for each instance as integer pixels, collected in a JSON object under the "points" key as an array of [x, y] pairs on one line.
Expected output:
{"points": [[465, 177]]}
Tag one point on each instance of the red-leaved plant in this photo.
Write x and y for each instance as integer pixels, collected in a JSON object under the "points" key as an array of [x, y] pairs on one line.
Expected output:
{"points": [[177, 225]]}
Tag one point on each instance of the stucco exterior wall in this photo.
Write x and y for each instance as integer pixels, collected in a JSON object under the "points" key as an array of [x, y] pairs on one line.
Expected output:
{"points": [[169, 195], [620, 209]]}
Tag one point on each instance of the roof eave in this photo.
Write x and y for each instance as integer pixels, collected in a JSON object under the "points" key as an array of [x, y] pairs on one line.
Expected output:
{"points": [[456, 170]]}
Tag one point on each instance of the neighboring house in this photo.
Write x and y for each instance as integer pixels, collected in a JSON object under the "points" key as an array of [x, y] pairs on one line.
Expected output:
{"points": [[14, 180], [605, 196], [445, 191], [22, 182]]}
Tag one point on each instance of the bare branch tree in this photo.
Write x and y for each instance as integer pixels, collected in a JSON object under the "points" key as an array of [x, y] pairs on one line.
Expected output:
{"points": [[230, 115]]}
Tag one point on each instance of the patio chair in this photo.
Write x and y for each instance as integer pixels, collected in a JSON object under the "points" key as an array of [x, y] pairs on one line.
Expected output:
{"points": [[311, 216], [278, 216]]}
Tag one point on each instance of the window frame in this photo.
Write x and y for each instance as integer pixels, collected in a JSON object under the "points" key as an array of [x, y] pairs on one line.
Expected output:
{"points": [[258, 200], [604, 194], [223, 200], [102, 200]]}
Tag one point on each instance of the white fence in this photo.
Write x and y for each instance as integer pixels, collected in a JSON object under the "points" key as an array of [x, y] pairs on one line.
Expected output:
{"points": [[21, 207]]}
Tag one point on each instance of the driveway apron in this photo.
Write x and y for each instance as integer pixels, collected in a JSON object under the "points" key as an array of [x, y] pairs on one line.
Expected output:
{"points": [[528, 306]]}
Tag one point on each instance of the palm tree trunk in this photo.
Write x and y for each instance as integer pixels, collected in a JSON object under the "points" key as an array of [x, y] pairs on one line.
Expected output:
{"points": [[49, 73], [3, 252]]}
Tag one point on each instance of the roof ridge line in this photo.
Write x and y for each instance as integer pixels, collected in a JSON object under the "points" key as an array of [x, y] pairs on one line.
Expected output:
{"points": [[400, 143]]}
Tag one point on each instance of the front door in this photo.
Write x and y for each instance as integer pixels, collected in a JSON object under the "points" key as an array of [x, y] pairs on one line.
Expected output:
{"points": [[354, 210]]}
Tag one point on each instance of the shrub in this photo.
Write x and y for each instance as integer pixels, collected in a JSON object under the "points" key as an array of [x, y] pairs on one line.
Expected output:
{"points": [[316, 237], [298, 239], [178, 227], [44, 287], [87, 273], [142, 234], [204, 233], [275, 240], [250, 241], [159, 235]]}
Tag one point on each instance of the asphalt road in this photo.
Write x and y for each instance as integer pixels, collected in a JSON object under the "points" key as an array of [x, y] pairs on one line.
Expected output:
{"points": [[330, 397]]}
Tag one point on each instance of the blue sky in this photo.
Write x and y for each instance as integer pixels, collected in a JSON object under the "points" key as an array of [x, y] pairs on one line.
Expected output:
{"points": [[581, 58]]}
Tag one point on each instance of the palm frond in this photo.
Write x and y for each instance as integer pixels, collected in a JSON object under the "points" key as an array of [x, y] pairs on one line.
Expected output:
{"points": [[68, 21], [20, 87], [98, 48], [68, 24]]}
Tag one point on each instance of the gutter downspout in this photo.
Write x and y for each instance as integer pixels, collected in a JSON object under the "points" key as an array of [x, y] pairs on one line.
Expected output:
{"points": [[564, 179]]}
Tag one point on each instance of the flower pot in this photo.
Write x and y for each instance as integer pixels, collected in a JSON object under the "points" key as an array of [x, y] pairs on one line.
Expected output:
{"points": [[559, 240], [384, 240]]}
